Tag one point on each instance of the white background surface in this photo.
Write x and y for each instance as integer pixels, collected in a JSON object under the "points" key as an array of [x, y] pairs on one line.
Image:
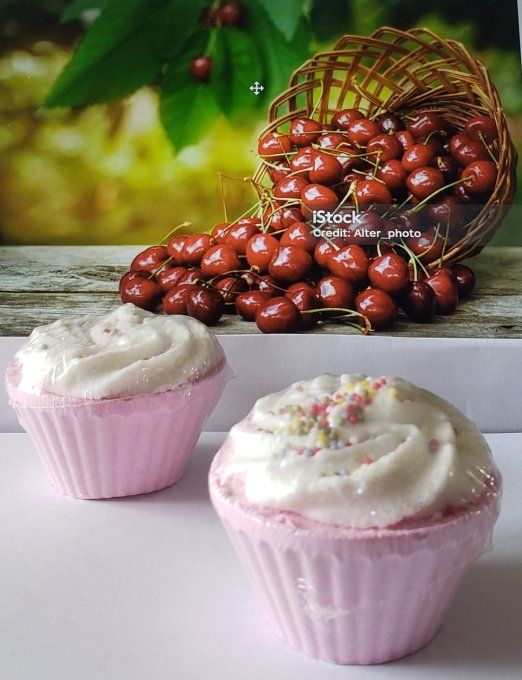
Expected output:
{"points": [[481, 377], [148, 588]]}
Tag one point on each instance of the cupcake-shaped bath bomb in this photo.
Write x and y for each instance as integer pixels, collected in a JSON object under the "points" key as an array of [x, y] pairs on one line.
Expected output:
{"points": [[115, 403], [357, 505]]}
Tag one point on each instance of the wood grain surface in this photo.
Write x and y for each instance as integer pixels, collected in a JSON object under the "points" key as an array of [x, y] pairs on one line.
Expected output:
{"points": [[39, 284]]}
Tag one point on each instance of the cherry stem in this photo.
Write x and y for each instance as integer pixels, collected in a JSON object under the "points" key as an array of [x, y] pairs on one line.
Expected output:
{"points": [[490, 152], [416, 258], [212, 42], [156, 271], [435, 193], [183, 224]]}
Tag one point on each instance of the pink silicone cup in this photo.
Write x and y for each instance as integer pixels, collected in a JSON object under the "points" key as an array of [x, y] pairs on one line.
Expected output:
{"points": [[351, 596], [117, 447]]}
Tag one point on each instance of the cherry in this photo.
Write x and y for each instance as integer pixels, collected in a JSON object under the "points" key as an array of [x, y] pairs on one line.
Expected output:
{"points": [[290, 187], [219, 232], [444, 285], [463, 195], [149, 259], [405, 221], [299, 234], [418, 156], [280, 219], [393, 175], [447, 212], [432, 144], [335, 292], [325, 248], [482, 128], [175, 301], [343, 118], [448, 167], [129, 276], [406, 139], [428, 246], [230, 13], [465, 278], [361, 131], [385, 147], [142, 292], [230, 287], [333, 140], [192, 276], [424, 181], [175, 248], [238, 235], [248, 304], [278, 315], [481, 177], [302, 162], [389, 273], [169, 277], [390, 123], [318, 197], [205, 305], [425, 123], [281, 170], [266, 284], [470, 152], [304, 131], [457, 141], [219, 259], [370, 191], [417, 300], [349, 263], [325, 169], [260, 249], [274, 146], [305, 299], [195, 247], [378, 307], [201, 68], [365, 223], [289, 264], [298, 286]]}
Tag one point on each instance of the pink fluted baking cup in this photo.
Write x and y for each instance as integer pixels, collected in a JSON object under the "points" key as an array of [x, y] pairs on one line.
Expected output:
{"points": [[103, 448], [354, 596]]}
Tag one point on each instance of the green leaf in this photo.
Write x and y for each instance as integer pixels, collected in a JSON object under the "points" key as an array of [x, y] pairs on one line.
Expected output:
{"points": [[187, 108], [124, 49], [329, 17], [77, 7], [236, 65], [285, 14]]}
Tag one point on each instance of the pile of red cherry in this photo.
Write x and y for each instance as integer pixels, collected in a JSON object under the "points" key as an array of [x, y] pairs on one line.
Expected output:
{"points": [[414, 173]]}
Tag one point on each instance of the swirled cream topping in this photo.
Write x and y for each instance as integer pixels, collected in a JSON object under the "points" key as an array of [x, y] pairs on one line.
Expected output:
{"points": [[356, 451], [127, 352]]}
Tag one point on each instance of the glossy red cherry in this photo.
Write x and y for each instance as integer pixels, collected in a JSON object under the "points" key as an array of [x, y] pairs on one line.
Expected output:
{"points": [[406, 139], [274, 146], [425, 123], [371, 191], [378, 307], [446, 212], [417, 156], [260, 249], [393, 175], [248, 304], [278, 315], [201, 68], [266, 284], [290, 187], [428, 246], [481, 128], [149, 259], [191, 276], [424, 181], [230, 13], [289, 264], [129, 276], [365, 228], [343, 118], [457, 141], [169, 277], [230, 287], [305, 299], [302, 162], [299, 234], [219, 259], [318, 197], [304, 131], [333, 140], [142, 292], [470, 152], [361, 131], [465, 278], [175, 301], [325, 248], [389, 273], [390, 123], [481, 177], [463, 195], [277, 220], [325, 169], [385, 147], [238, 235], [281, 170], [205, 305], [444, 285], [175, 248], [349, 263], [335, 292], [417, 300], [195, 247], [219, 231]]}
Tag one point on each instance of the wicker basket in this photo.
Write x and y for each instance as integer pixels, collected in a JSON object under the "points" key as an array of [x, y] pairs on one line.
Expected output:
{"points": [[403, 71]]}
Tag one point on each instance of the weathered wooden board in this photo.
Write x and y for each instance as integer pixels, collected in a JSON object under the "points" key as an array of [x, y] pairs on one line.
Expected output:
{"points": [[41, 284]]}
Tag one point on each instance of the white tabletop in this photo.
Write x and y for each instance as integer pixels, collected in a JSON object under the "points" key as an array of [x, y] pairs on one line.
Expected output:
{"points": [[148, 588]]}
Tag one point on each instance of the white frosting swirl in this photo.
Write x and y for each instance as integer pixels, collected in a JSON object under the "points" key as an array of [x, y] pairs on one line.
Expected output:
{"points": [[357, 452], [127, 352]]}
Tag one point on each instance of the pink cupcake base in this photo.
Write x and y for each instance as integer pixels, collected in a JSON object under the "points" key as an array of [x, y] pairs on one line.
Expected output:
{"points": [[117, 447], [355, 596]]}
